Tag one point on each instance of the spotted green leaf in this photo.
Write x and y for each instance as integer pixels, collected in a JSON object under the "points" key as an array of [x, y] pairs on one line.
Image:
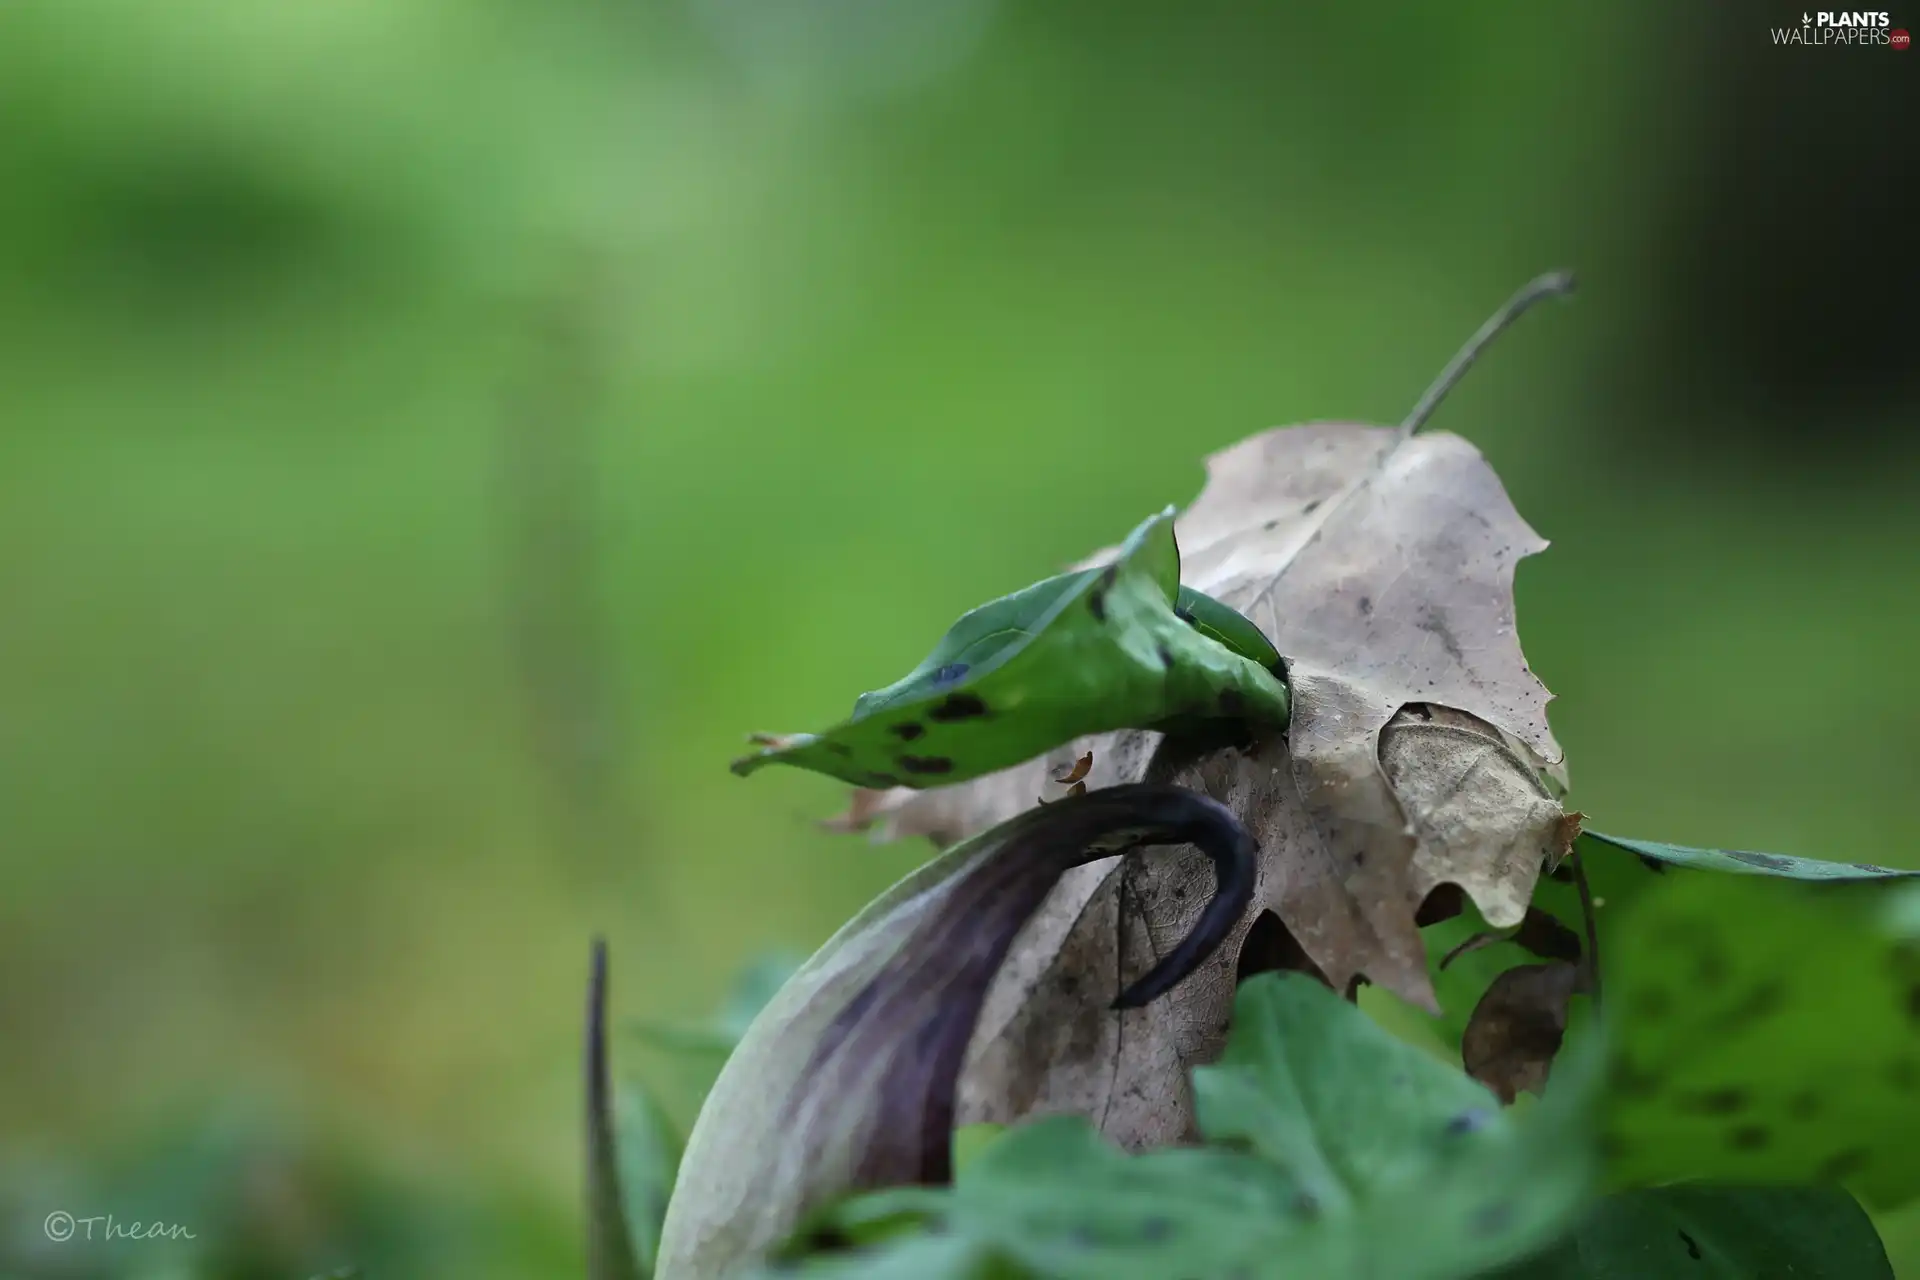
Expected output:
{"points": [[1767, 1031], [1086, 652], [1745, 862], [1404, 1166], [1695, 1232]]}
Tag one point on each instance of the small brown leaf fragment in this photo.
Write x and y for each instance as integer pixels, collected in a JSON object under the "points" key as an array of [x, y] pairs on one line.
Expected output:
{"points": [[1517, 1027], [775, 741], [1081, 768], [1566, 831]]}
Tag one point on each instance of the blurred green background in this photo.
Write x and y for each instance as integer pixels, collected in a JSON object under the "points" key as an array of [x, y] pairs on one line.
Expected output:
{"points": [[433, 432]]}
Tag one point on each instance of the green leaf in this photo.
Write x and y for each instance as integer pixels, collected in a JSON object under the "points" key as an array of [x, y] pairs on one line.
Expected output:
{"points": [[1767, 1031], [1405, 1167], [970, 1140], [939, 1257], [1062, 1201], [1086, 652], [1744, 862], [1694, 1232], [647, 1152], [704, 1049]]}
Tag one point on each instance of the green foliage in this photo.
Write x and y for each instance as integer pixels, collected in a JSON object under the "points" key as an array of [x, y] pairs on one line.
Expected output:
{"points": [[1761, 1035], [647, 1151], [1333, 1151], [1768, 1030], [1741, 861], [633, 1146], [1081, 653], [1717, 1233]]}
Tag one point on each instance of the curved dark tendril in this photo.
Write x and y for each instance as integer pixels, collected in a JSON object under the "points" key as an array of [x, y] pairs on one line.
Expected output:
{"points": [[919, 1012], [1187, 817]]}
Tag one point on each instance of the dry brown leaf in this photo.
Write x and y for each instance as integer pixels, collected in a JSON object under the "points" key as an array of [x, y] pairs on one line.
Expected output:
{"points": [[1486, 820], [1516, 1029], [1382, 568]]}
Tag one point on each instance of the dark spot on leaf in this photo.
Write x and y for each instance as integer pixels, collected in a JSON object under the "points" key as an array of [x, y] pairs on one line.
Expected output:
{"points": [[1232, 702], [1760, 1002], [1716, 1102], [1903, 1074], [1749, 1137], [1366, 608], [1913, 1002], [1310, 508], [949, 673], [1652, 1003], [925, 764], [827, 1239], [1693, 1250], [1654, 865], [1437, 625], [882, 780], [908, 730], [1305, 1205], [1155, 1229], [1633, 1080], [1709, 966], [1612, 1146], [839, 748], [1765, 861], [1469, 1122], [958, 706], [1842, 1165], [1804, 1105], [1166, 658], [1493, 1219], [1097, 598]]}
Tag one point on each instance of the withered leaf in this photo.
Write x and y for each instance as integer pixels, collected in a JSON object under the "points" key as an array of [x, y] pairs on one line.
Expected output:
{"points": [[1517, 1027]]}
